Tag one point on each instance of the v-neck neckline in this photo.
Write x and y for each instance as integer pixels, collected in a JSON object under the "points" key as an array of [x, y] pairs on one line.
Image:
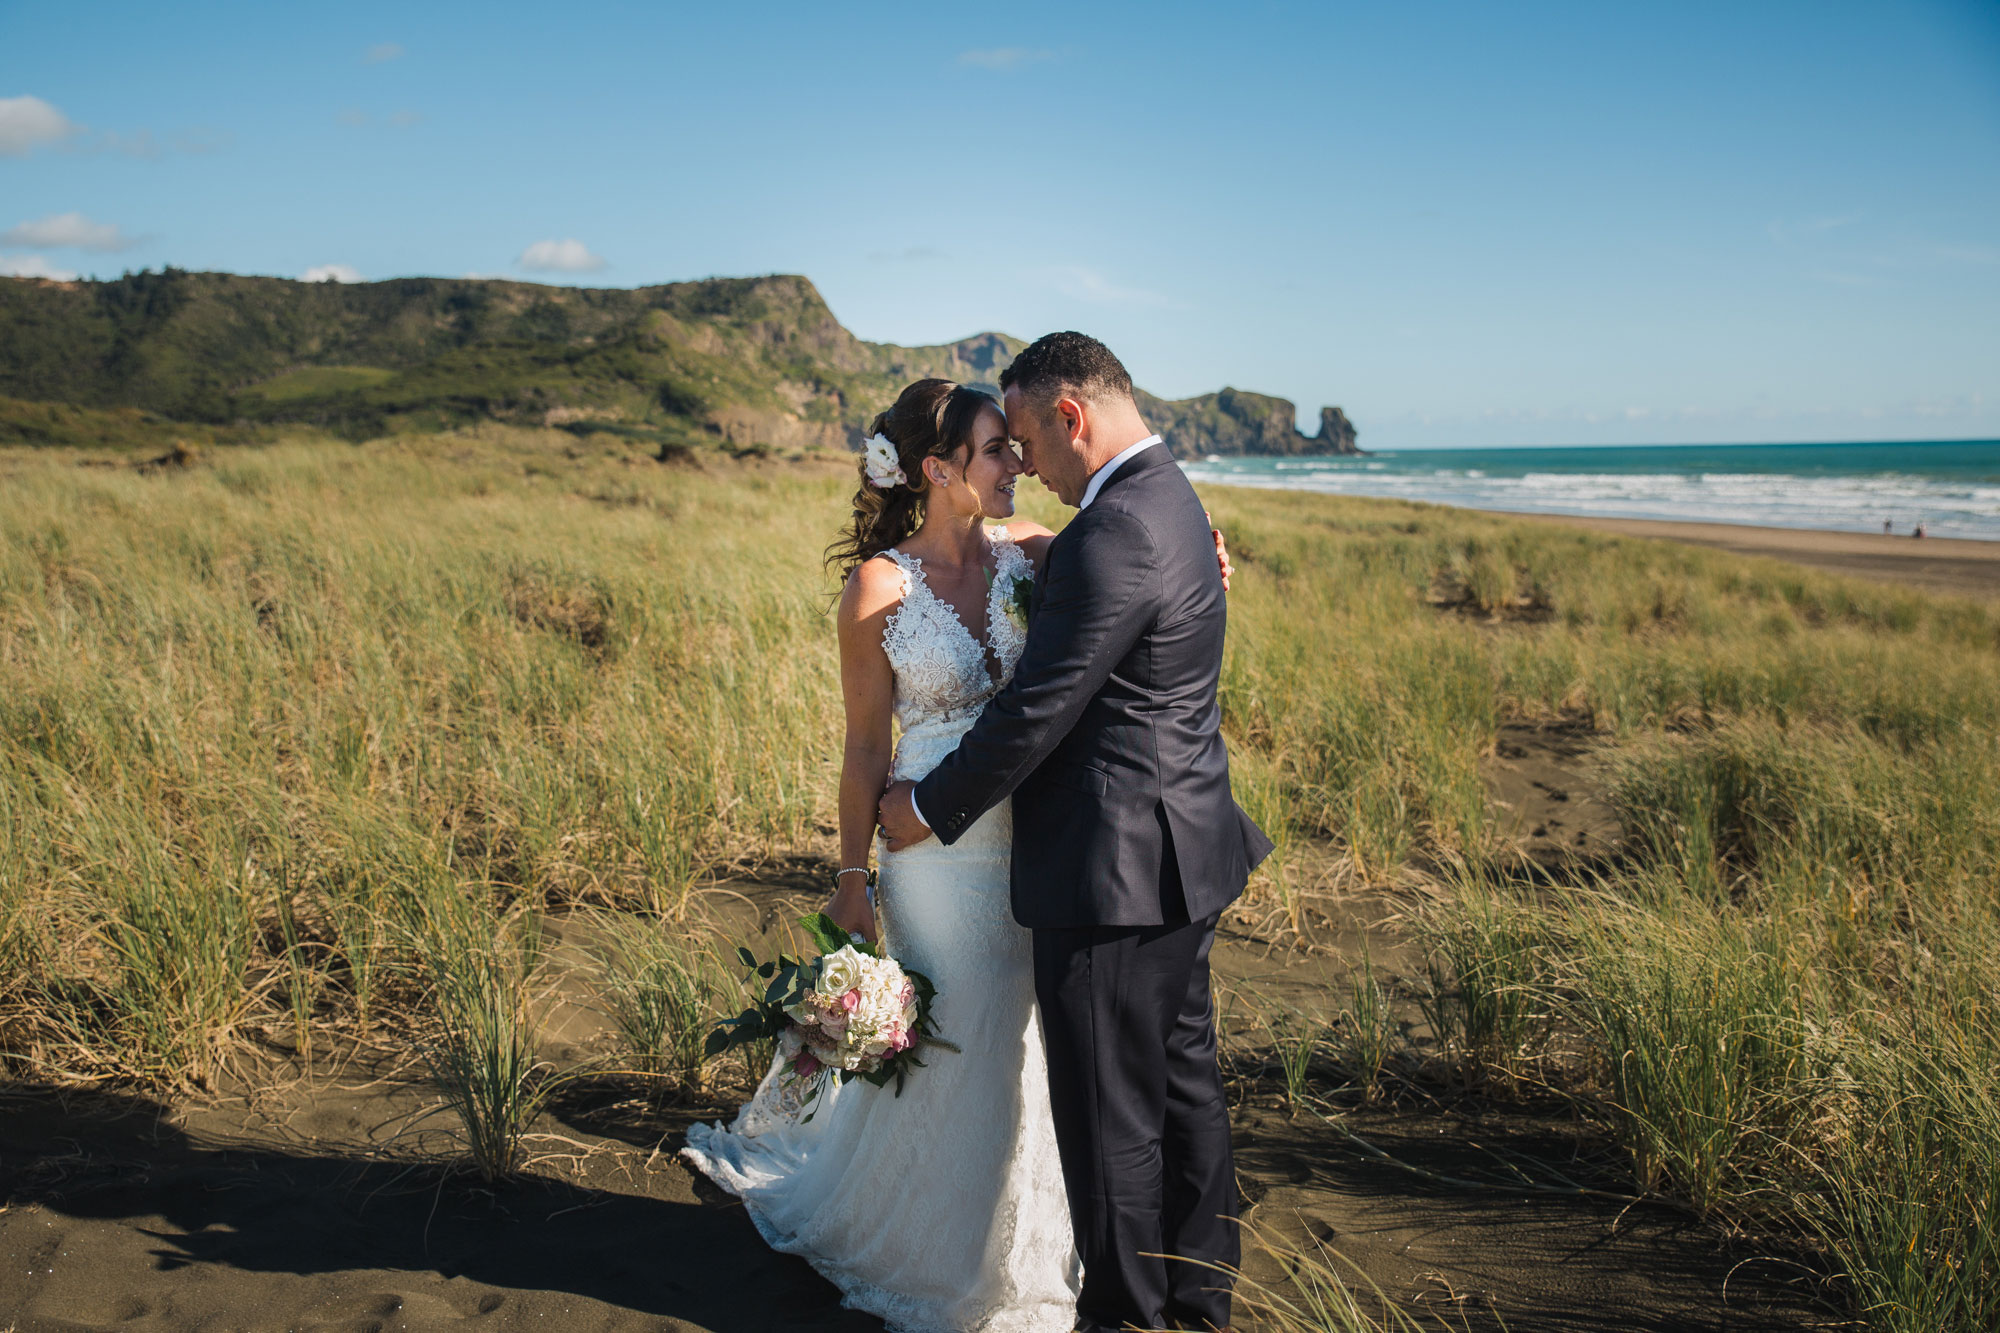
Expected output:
{"points": [[989, 654]]}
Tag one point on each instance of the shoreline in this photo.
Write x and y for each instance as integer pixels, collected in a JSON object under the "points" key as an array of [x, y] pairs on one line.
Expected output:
{"points": [[1962, 565]]}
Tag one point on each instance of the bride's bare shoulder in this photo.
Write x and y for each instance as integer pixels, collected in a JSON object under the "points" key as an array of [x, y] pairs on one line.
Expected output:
{"points": [[873, 590], [1032, 538]]}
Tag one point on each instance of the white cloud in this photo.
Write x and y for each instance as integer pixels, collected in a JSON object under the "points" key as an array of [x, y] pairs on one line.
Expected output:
{"points": [[203, 140], [1087, 284], [140, 144], [33, 266], [1004, 57], [28, 121], [566, 256], [405, 118], [330, 273], [382, 51], [352, 118], [67, 231]]}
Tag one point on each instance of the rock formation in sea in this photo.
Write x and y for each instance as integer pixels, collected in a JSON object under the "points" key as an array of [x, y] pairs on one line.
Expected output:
{"points": [[1236, 421]]}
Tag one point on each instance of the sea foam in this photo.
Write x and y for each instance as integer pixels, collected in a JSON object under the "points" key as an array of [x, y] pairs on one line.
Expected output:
{"points": [[1952, 488]]}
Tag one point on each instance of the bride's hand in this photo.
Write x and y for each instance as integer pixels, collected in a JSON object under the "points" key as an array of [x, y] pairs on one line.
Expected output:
{"points": [[850, 909], [1221, 552]]}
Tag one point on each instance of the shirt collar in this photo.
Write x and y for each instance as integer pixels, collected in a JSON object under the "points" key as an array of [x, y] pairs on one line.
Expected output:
{"points": [[1103, 474]]}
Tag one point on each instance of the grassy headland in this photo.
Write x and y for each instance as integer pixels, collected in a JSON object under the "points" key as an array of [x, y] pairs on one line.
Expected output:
{"points": [[297, 742], [742, 365]]}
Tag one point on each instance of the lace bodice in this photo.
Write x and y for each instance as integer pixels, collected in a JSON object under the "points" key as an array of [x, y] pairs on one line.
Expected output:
{"points": [[942, 674]]}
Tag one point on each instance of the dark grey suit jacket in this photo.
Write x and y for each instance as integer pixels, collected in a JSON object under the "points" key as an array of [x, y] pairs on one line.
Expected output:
{"points": [[1109, 737]]}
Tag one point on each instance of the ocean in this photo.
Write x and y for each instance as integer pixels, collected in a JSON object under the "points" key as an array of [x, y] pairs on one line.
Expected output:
{"points": [[1952, 488]]}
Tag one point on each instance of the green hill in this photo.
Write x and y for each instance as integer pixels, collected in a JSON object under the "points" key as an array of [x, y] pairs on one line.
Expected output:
{"points": [[745, 363]]}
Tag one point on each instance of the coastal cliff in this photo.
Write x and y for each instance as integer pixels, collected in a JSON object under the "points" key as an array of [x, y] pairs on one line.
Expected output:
{"points": [[740, 363], [1235, 421]]}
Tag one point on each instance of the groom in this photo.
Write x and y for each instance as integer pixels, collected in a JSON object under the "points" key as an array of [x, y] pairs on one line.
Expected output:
{"points": [[1127, 843]]}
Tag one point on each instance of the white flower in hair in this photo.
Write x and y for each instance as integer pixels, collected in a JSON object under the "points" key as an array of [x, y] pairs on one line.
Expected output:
{"points": [[879, 460]]}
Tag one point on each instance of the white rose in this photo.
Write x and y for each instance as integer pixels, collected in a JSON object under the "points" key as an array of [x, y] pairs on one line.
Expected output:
{"points": [[839, 973], [882, 464]]}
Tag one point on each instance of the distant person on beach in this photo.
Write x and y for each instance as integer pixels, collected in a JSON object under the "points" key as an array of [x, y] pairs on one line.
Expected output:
{"points": [[1919, 531], [1887, 527], [1057, 701]]}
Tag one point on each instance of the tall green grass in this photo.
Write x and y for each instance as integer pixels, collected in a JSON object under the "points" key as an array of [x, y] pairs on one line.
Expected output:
{"points": [[1782, 1002], [1788, 997], [661, 992], [329, 668], [262, 717], [480, 970]]}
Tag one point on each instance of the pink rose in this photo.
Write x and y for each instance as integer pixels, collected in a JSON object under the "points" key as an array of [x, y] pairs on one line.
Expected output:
{"points": [[900, 1040], [852, 1000], [909, 994]]}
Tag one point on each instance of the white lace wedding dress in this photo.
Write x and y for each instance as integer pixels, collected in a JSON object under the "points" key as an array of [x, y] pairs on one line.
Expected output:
{"points": [[941, 1210]]}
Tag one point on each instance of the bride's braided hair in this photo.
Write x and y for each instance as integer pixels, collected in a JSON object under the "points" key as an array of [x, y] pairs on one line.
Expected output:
{"points": [[930, 419]]}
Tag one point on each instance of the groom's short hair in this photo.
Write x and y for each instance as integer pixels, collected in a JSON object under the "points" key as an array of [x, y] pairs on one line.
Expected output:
{"points": [[1067, 364]]}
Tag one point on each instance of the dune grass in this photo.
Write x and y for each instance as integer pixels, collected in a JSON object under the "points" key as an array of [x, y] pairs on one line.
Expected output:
{"points": [[660, 990], [306, 736], [479, 968]]}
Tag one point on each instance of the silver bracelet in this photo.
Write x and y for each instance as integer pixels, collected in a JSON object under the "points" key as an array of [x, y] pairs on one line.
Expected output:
{"points": [[868, 885]]}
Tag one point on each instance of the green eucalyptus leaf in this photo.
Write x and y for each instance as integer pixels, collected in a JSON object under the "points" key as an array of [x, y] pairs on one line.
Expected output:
{"points": [[825, 932]]}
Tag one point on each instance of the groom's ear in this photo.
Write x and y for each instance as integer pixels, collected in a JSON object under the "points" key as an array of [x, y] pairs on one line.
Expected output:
{"points": [[1071, 412]]}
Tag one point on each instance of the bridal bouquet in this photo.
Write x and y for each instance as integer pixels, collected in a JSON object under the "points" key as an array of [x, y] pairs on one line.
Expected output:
{"points": [[849, 1013]]}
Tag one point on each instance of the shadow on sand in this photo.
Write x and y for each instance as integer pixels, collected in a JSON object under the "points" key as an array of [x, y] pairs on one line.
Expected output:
{"points": [[114, 1215]]}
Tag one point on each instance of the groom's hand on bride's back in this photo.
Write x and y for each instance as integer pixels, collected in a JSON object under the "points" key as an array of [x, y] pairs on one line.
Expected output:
{"points": [[897, 814]]}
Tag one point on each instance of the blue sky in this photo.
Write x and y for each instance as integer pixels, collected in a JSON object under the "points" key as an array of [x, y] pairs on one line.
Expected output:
{"points": [[1466, 223]]}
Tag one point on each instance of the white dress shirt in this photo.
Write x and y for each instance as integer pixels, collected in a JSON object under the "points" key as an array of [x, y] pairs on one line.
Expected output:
{"points": [[1097, 480], [1103, 474]]}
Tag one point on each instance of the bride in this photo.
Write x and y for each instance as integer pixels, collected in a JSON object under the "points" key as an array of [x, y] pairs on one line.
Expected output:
{"points": [[942, 1210]]}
